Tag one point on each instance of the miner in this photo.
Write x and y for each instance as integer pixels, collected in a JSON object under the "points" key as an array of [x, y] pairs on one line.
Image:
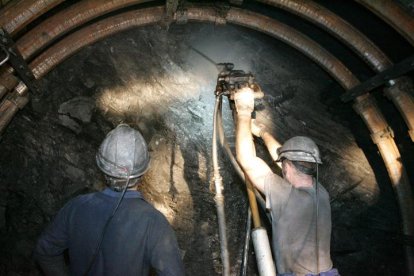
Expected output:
{"points": [[299, 206], [115, 231]]}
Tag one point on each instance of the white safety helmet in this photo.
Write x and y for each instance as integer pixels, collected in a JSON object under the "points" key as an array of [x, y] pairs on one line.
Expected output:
{"points": [[123, 153], [299, 148]]}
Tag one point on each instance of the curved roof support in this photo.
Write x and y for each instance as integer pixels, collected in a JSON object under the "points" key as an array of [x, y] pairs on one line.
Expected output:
{"points": [[394, 15], [18, 14], [365, 104], [355, 40], [66, 20], [338, 27]]}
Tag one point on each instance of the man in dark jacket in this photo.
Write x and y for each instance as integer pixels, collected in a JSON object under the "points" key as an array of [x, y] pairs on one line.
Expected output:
{"points": [[113, 232]]}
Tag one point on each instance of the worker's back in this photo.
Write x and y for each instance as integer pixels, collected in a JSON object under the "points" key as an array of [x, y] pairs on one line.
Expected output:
{"points": [[137, 237], [294, 230]]}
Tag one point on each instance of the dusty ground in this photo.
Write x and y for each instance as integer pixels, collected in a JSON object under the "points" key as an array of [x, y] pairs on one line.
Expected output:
{"points": [[151, 79]]}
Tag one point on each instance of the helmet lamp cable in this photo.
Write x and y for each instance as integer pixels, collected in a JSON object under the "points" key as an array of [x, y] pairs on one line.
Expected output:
{"points": [[316, 204], [101, 238]]}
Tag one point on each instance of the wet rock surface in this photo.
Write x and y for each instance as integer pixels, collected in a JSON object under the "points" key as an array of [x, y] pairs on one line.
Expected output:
{"points": [[153, 80]]}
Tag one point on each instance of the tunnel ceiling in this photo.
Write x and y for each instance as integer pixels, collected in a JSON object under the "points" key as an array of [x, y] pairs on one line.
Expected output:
{"points": [[151, 64]]}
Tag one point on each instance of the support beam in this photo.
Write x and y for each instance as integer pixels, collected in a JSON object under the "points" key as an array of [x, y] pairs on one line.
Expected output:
{"points": [[385, 77]]}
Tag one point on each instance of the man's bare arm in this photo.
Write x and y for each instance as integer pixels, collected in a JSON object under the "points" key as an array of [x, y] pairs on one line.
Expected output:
{"points": [[255, 168], [259, 130]]}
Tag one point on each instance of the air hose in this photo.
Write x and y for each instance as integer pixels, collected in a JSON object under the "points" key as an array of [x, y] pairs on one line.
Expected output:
{"points": [[225, 146], [258, 231], [219, 198]]}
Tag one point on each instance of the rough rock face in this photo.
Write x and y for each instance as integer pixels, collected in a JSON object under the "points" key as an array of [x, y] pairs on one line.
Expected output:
{"points": [[155, 81]]}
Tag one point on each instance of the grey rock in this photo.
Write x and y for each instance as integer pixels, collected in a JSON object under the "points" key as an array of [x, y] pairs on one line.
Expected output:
{"points": [[75, 112]]}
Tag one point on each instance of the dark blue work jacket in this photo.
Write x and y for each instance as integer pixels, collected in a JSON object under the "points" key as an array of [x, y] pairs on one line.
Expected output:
{"points": [[137, 238]]}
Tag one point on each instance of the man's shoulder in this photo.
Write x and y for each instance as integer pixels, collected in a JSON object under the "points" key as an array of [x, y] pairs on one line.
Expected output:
{"points": [[276, 182], [80, 199]]}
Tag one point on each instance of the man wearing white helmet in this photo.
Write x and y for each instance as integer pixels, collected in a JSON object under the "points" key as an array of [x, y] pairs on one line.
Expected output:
{"points": [[113, 232], [300, 245]]}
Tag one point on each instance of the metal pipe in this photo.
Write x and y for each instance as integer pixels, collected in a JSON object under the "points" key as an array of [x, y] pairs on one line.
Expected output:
{"points": [[263, 253], [338, 27], [19, 14], [382, 136], [7, 83], [355, 40], [57, 25], [219, 198], [7, 111], [394, 15], [399, 93], [9, 107], [90, 34]]}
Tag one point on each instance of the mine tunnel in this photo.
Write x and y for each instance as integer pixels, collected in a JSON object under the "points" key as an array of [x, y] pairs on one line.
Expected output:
{"points": [[337, 71]]}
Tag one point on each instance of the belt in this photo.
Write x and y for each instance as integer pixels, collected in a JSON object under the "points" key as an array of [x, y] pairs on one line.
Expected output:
{"points": [[332, 272]]}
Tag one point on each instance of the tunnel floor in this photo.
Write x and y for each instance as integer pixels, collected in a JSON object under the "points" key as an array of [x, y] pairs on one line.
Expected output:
{"points": [[154, 80]]}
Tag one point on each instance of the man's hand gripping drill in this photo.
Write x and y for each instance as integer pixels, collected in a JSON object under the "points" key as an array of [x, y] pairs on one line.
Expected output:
{"points": [[240, 87]]}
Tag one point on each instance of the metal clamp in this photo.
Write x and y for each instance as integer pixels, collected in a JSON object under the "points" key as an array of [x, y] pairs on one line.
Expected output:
{"points": [[17, 61], [18, 100], [222, 10], [7, 56], [386, 133], [181, 16]]}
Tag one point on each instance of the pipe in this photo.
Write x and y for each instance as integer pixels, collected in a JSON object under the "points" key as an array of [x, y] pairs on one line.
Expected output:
{"points": [[19, 14], [263, 253], [90, 34], [382, 136], [399, 93], [394, 15], [10, 106], [219, 198], [338, 27], [7, 83], [355, 40], [59, 24]]}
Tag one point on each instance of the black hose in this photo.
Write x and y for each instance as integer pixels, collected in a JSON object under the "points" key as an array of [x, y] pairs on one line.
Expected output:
{"points": [[243, 270], [219, 198]]}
